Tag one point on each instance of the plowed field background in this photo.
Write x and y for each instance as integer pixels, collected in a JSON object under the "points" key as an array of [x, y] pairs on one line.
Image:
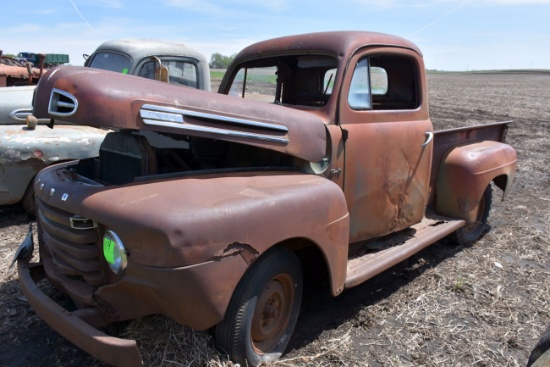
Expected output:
{"points": [[482, 305]]}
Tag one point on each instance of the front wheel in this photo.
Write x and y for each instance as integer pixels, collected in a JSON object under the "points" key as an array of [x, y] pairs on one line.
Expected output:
{"points": [[473, 231], [263, 310]]}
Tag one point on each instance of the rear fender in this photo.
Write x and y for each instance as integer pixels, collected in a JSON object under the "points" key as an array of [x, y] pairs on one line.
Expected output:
{"points": [[466, 172]]}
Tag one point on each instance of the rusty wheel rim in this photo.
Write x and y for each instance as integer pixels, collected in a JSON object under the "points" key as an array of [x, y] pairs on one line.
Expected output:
{"points": [[272, 313]]}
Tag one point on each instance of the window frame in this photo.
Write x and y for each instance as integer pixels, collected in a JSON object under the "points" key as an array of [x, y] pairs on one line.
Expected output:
{"points": [[409, 87]]}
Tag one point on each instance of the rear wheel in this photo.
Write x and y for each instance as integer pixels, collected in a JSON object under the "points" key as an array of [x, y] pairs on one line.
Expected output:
{"points": [[540, 354], [263, 310], [473, 231]]}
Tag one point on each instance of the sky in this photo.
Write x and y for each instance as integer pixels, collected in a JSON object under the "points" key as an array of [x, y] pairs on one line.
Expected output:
{"points": [[452, 34]]}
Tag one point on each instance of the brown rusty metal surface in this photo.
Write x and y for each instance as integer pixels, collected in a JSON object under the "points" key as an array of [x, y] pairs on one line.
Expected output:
{"points": [[391, 250], [13, 72], [446, 140], [192, 296], [201, 226], [232, 202], [195, 296], [466, 172], [387, 169], [108, 99], [387, 188], [112, 350]]}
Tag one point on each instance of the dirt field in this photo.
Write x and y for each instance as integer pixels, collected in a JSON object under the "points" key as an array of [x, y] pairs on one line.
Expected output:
{"points": [[483, 305]]}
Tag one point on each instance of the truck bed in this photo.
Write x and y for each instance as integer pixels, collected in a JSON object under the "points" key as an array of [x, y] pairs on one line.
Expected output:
{"points": [[444, 140]]}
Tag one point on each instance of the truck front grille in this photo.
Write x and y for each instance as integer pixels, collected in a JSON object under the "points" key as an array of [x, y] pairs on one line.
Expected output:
{"points": [[74, 252]]}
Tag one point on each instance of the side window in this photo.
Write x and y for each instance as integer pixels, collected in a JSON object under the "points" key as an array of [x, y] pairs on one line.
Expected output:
{"points": [[359, 91], [148, 70], [290, 80], [385, 82], [179, 72], [259, 84], [379, 81], [328, 82]]}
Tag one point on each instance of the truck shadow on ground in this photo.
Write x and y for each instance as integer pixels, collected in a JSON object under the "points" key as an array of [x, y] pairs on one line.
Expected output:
{"points": [[13, 215], [321, 312], [26, 340]]}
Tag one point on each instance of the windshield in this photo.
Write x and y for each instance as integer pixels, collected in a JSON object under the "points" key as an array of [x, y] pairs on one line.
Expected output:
{"points": [[304, 80], [111, 61]]}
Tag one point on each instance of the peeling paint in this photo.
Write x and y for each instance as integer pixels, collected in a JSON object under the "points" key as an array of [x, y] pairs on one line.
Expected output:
{"points": [[38, 140], [24, 152], [248, 253]]}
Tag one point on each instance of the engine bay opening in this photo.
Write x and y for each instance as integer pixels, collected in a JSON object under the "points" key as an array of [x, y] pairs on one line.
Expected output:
{"points": [[127, 156]]}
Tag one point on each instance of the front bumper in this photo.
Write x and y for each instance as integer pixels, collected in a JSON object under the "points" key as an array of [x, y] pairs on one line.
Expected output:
{"points": [[112, 350], [196, 296]]}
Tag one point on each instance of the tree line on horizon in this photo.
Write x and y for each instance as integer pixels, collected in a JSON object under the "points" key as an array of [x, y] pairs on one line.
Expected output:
{"points": [[219, 61]]}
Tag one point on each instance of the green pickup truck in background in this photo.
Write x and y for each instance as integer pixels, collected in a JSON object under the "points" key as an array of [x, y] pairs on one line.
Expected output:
{"points": [[49, 60]]}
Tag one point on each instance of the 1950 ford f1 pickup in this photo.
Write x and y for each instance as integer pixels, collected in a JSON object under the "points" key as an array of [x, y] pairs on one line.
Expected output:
{"points": [[318, 152]]}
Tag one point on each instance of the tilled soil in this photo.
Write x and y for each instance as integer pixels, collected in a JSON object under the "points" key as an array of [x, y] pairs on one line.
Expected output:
{"points": [[481, 305]]}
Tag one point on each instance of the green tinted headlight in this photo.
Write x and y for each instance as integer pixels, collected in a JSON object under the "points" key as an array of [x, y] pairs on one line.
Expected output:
{"points": [[114, 252]]}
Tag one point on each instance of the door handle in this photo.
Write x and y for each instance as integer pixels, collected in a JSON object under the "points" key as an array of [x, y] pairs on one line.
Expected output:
{"points": [[429, 138]]}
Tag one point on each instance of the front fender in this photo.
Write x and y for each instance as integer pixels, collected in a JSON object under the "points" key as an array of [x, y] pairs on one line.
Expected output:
{"points": [[197, 236], [182, 222], [466, 172]]}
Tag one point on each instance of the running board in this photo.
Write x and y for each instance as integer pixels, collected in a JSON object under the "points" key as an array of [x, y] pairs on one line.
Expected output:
{"points": [[392, 249]]}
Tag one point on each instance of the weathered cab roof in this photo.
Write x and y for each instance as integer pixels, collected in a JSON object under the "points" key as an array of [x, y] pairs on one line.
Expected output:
{"points": [[342, 43], [142, 48]]}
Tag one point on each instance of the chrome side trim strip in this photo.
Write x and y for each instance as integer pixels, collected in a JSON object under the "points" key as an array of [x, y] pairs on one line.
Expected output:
{"points": [[214, 131], [211, 116], [20, 115], [161, 116]]}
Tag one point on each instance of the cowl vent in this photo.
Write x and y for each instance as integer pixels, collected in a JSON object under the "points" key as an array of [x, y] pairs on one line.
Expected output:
{"points": [[62, 103]]}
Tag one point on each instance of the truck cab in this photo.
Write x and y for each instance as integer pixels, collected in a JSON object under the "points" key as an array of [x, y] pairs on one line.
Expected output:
{"points": [[318, 152]]}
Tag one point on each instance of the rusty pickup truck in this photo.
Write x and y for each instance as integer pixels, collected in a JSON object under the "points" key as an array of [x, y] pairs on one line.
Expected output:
{"points": [[318, 152], [24, 151]]}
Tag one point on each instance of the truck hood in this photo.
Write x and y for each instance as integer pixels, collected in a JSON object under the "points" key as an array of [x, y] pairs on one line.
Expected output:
{"points": [[106, 99]]}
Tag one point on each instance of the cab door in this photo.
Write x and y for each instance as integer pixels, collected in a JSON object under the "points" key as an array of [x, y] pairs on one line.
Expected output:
{"points": [[388, 147]]}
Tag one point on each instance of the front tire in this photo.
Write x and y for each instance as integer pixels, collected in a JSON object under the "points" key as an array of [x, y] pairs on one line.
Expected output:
{"points": [[472, 232], [263, 311]]}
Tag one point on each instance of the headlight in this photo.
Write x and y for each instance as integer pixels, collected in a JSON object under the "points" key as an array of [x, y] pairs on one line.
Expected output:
{"points": [[114, 252]]}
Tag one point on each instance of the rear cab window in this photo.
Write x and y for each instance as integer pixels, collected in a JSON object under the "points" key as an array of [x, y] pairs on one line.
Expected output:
{"points": [[179, 72]]}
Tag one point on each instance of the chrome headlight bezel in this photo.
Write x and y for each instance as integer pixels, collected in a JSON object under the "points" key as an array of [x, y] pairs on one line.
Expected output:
{"points": [[114, 252]]}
